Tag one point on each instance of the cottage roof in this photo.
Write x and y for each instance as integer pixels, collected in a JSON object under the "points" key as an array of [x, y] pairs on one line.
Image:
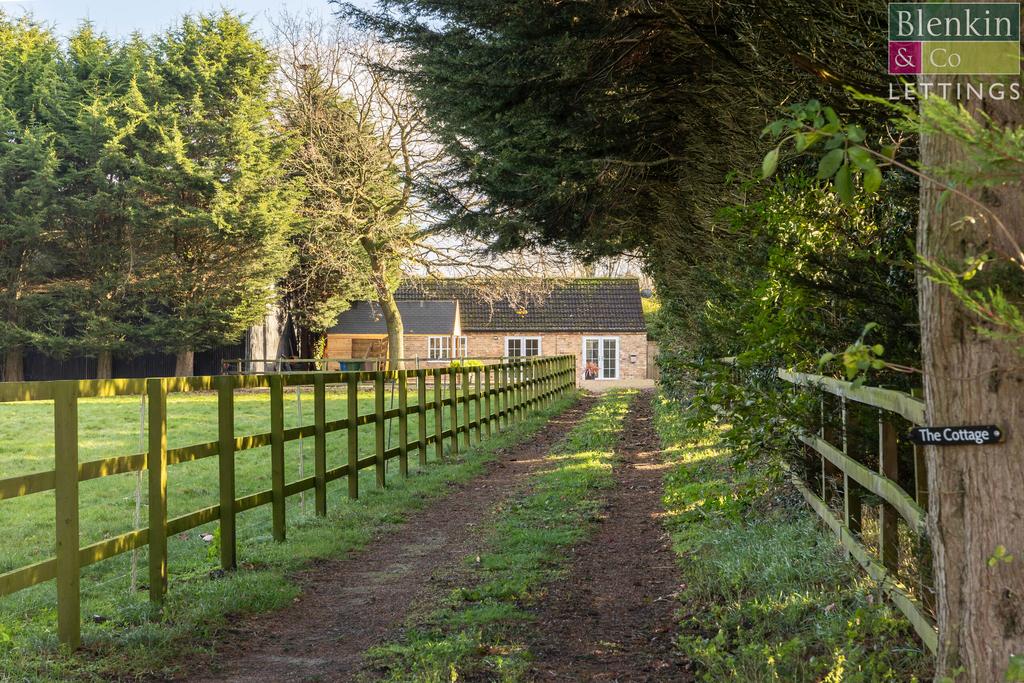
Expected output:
{"points": [[569, 305]]}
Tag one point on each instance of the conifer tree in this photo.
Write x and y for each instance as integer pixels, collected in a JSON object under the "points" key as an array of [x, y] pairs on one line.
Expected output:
{"points": [[211, 211], [28, 81]]}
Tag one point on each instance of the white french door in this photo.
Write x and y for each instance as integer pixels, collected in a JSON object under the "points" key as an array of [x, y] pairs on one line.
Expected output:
{"points": [[600, 358]]}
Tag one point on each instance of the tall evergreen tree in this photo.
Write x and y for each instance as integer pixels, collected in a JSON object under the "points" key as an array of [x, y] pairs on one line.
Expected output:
{"points": [[100, 110], [211, 211], [28, 82]]}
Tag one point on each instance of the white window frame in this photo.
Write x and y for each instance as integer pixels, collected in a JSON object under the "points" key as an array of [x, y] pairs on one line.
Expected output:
{"points": [[522, 340], [445, 348], [600, 365], [462, 346]]}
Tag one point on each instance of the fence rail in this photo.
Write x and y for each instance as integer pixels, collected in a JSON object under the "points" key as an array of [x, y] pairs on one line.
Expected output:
{"points": [[840, 471], [500, 394], [241, 366]]}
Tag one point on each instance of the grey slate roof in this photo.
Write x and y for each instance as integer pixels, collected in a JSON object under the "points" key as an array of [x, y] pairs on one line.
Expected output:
{"points": [[418, 317], [572, 305]]}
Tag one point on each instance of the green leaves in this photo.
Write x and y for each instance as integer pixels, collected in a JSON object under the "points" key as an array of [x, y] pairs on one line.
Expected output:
{"points": [[1015, 669], [770, 163], [844, 184], [858, 358], [999, 555], [872, 180], [845, 159], [830, 163]]}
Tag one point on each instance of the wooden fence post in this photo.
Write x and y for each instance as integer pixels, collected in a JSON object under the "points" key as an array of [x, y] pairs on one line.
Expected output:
{"points": [[888, 466], [487, 399], [499, 396], [453, 390], [479, 404], [320, 443], [352, 410], [156, 462], [852, 509], [379, 424], [506, 393], [531, 387], [524, 390], [226, 462], [826, 434], [65, 448], [277, 456], [438, 416], [548, 382], [467, 416], [517, 391], [421, 408], [545, 382], [403, 423]]}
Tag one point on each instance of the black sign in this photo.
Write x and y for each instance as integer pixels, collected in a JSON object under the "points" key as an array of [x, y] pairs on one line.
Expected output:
{"points": [[956, 436]]}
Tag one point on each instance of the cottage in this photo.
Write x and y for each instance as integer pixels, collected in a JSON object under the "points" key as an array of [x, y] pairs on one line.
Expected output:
{"points": [[599, 320]]}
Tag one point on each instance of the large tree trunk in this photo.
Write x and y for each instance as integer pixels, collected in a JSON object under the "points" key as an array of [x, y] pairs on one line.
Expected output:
{"points": [[14, 364], [396, 330], [105, 365], [184, 363], [977, 493], [388, 305]]}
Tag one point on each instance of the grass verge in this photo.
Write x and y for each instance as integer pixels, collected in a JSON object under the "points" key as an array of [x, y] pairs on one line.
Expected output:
{"points": [[769, 595], [478, 630], [126, 639]]}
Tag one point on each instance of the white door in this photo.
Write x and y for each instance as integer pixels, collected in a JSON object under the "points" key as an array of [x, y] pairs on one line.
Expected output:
{"points": [[600, 358]]}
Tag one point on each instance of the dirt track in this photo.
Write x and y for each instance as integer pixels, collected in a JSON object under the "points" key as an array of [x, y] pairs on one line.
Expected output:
{"points": [[351, 604], [613, 618]]}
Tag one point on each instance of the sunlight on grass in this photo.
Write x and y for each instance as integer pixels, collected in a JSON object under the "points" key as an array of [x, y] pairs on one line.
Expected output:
{"points": [[769, 596]]}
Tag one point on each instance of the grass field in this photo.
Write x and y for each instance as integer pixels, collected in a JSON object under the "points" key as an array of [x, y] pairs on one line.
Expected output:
{"points": [[109, 427]]}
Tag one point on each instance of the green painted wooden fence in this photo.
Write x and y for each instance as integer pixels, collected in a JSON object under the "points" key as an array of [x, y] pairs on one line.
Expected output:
{"points": [[501, 395], [836, 470]]}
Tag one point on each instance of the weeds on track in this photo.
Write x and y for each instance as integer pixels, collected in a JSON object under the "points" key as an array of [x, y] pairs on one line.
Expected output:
{"points": [[478, 631]]}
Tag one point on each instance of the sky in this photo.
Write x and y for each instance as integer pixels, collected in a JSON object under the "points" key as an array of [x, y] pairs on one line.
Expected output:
{"points": [[123, 17]]}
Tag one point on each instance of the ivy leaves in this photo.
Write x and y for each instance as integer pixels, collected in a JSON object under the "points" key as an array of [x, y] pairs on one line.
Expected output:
{"points": [[845, 159]]}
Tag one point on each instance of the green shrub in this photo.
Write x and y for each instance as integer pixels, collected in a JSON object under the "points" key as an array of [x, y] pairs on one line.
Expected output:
{"points": [[467, 363]]}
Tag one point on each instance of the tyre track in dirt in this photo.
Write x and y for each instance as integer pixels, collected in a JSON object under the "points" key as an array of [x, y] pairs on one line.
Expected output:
{"points": [[350, 604], [613, 617]]}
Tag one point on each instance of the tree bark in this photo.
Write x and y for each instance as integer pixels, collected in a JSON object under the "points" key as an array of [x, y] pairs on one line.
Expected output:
{"points": [[396, 330], [105, 365], [388, 306], [184, 363], [14, 364], [977, 493]]}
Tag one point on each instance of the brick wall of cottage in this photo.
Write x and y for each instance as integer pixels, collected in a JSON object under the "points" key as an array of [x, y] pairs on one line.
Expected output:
{"points": [[632, 348], [633, 354]]}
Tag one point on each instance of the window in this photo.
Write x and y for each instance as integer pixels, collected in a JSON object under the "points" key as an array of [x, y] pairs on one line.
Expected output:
{"points": [[439, 348], [600, 358], [517, 347], [461, 347]]}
